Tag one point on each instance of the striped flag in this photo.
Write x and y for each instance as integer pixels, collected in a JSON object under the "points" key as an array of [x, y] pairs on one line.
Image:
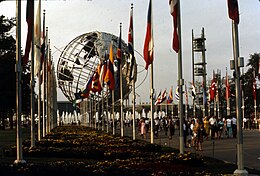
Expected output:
{"points": [[158, 99], [193, 91], [174, 12], [233, 10], [148, 44], [29, 20], [177, 94]]}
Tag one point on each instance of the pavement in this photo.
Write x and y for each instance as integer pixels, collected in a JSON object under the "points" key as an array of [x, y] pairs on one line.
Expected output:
{"points": [[222, 149]]}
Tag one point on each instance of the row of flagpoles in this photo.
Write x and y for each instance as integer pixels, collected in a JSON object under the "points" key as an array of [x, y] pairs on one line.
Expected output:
{"points": [[42, 67], [148, 53]]}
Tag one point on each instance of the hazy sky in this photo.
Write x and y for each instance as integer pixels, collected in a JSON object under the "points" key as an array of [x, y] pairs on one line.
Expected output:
{"points": [[69, 19]]}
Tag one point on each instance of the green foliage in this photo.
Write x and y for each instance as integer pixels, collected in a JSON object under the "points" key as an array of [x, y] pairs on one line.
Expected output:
{"points": [[7, 71]]}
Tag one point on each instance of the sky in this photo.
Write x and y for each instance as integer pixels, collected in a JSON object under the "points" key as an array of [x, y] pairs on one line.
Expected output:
{"points": [[67, 19]]}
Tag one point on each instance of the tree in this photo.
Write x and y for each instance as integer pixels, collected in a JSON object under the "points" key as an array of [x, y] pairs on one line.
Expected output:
{"points": [[8, 74], [247, 80]]}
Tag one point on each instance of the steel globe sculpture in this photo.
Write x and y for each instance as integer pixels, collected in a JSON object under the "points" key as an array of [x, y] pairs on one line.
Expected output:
{"points": [[80, 58]]}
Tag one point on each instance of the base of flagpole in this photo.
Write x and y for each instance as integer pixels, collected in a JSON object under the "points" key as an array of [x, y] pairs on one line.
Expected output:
{"points": [[19, 162], [241, 172]]}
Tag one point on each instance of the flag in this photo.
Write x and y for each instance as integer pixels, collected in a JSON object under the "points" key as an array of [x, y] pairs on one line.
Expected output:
{"points": [[204, 94], [118, 58], [131, 45], [177, 94], [174, 12], [193, 91], [148, 44], [109, 78], [227, 87], [87, 88], [158, 99], [254, 88], [170, 97], [212, 88], [96, 87], [102, 71], [164, 95], [233, 10], [29, 20], [78, 97], [186, 95], [37, 41]]}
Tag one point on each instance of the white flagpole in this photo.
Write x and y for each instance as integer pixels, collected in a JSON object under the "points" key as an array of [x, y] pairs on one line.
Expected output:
{"points": [[18, 86]]}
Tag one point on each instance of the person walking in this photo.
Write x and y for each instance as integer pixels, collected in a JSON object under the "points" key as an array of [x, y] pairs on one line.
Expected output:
{"points": [[201, 133]]}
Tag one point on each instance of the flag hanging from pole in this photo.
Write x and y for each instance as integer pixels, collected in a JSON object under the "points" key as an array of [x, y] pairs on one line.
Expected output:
{"points": [[131, 45], [102, 71], [118, 59], [186, 95], [212, 88], [87, 88], [96, 87], [204, 94], [193, 91], [227, 87], [177, 94], [174, 12], [170, 97], [158, 99], [37, 41], [29, 20], [148, 44], [109, 78], [233, 10]]}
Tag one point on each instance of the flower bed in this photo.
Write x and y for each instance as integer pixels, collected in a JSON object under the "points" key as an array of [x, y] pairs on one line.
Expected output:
{"points": [[74, 150]]}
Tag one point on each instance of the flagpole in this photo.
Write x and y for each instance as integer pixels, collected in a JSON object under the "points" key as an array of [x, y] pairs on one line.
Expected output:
{"points": [[32, 84], [133, 79], [180, 80], [240, 160], [43, 82], [102, 111], [121, 91], [193, 77], [113, 112], [18, 86], [255, 106], [151, 86], [107, 110]]}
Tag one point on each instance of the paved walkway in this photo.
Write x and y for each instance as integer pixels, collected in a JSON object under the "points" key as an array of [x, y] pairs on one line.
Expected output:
{"points": [[223, 149]]}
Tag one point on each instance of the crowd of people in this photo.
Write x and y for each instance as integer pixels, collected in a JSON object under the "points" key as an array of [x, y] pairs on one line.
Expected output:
{"points": [[195, 130]]}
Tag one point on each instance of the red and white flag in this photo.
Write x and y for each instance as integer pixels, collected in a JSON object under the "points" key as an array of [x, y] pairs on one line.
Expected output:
{"points": [[148, 43], [174, 12]]}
